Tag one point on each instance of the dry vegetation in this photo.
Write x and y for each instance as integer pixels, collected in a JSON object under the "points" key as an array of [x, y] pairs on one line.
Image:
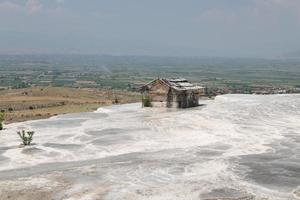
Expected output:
{"points": [[44, 102]]}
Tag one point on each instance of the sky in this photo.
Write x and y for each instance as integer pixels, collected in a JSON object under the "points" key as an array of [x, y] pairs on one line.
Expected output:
{"points": [[221, 28]]}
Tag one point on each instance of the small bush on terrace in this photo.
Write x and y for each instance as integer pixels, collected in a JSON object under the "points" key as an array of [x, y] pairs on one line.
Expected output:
{"points": [[26, 137], [2, 116], [146, 102]]}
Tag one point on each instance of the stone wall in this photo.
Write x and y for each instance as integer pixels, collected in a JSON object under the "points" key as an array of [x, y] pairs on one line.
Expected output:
{"points": [[158, 91]]}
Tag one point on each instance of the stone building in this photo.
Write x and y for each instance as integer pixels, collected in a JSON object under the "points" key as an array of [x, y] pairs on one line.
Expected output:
{"points": [[177, 92]]}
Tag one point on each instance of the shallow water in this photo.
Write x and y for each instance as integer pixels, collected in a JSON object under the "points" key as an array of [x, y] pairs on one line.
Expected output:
{"points": [[235, 147]]}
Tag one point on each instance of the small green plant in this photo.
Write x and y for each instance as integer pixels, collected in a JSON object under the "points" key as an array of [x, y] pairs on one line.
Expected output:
{"points": [[2, 116], [116, 101], [146, 102], [26, 137]]}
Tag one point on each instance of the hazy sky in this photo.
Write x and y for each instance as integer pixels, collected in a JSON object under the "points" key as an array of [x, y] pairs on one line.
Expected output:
{"points": [[151, 27]]}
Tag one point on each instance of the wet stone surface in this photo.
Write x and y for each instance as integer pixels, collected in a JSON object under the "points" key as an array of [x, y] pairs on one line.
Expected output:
{"points": [[237, 147]]}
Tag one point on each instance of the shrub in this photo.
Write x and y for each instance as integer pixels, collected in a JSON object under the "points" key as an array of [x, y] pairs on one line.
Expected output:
{"points": [[26, 137], [146, 102], [116, 101], [2, 115]]}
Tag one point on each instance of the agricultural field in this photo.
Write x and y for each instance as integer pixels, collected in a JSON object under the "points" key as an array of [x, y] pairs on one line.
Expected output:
{"points": [[130, 72]]}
